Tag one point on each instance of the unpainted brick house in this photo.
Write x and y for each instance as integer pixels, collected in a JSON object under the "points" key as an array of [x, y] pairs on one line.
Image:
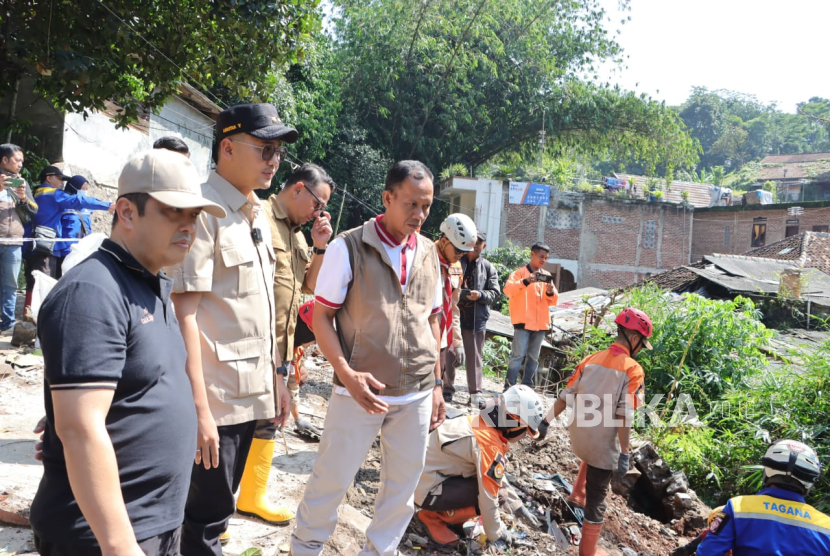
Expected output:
{"points": [[596, 240]]}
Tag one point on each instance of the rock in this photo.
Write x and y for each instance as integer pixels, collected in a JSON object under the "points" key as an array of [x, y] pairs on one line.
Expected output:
{"points": [[12, 518], [666, 531], [693, 522], [683, 500], [284, 548], [677, 483], [24, 334], [623, 485], [628, 552]]}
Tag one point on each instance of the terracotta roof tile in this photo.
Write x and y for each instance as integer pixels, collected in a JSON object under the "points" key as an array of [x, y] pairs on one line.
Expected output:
{"points": [[807, 249]]}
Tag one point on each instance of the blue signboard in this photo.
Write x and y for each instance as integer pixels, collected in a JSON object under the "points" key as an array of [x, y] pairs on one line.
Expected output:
{"points": [[526, 193]]}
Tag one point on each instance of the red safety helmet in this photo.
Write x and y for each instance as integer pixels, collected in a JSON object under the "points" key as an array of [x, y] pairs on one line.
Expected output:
{"points": [[636, 320]]}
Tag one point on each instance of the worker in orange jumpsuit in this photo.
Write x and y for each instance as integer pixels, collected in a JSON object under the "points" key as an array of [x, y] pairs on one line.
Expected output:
{"points": [[604, 391], [464, 472]]}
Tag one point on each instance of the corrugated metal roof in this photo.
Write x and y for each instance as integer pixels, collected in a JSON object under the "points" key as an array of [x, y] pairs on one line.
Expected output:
{"points": [[755, 275]]}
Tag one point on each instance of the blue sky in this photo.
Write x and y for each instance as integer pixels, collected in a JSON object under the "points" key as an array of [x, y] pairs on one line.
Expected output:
{"points": [[774, 50]]}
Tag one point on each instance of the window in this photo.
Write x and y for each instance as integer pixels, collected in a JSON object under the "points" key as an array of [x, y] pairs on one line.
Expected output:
{"points": [[792, 228], [650, 235], [759, 232], [819, 228], [726, 231]]}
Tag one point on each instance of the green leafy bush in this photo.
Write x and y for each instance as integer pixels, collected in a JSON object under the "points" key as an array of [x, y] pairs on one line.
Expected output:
{"points": [[506, 260], [495, 356]]}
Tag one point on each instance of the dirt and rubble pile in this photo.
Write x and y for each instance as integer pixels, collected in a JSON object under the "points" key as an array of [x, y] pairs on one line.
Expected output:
{"points": [[651, 510]]}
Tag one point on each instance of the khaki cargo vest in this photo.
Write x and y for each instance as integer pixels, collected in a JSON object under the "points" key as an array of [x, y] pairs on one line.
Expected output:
{"points": [[382, 330]]}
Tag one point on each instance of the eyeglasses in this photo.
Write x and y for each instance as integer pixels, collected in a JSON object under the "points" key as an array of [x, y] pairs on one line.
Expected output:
{"points": [[319, 205], [268, 150]]}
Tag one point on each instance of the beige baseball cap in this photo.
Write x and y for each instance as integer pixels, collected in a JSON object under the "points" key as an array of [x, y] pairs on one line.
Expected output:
{"points": [[169, 178]]}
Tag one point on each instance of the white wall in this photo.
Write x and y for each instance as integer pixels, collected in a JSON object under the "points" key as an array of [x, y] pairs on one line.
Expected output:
{"points": [[484, 207], [97, 150], [179, 118]]}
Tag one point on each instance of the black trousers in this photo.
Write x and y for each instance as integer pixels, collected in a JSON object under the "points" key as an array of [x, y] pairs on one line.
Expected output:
{"points": [[596, 488], [210, 502], [456, 493], [166, 544]]}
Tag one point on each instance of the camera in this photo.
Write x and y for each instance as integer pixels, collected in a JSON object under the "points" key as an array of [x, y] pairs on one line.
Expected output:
{"points": [[546, 278]]}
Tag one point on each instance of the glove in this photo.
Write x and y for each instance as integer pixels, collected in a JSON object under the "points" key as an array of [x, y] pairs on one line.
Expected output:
{"points": [[622, 465], [460, 358], [525, 512], [506, 536], [543, 429]]}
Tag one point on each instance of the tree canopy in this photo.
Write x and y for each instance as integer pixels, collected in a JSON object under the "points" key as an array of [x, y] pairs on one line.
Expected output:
{"points": [[734, 129], [136, 52], [459, 81]]}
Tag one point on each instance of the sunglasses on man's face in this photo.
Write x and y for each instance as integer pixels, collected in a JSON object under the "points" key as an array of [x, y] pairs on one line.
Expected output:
{"points": [[268, 150], [318, 205]]}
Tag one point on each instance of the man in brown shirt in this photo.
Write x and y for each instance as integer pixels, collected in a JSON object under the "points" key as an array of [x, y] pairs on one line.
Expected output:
{"points": [[225, 304], [15, 201], [303, 198]]}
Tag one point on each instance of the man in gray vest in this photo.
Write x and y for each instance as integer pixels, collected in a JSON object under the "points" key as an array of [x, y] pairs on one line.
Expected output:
{"points": [[382, 283]]}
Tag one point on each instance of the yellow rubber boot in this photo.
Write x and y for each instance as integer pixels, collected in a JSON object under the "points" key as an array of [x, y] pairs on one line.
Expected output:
{"points": [[225, 538], [252, 500]]}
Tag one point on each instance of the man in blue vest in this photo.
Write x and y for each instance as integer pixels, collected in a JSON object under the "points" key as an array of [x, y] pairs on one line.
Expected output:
{"points": [[776, 521]]}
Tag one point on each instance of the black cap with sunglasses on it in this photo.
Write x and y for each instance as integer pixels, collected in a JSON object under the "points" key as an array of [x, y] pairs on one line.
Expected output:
{"points": [[51, 171], [258, 120]]}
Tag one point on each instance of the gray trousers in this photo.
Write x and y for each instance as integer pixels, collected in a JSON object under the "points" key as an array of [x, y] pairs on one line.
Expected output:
{"points": [[473, 349]]}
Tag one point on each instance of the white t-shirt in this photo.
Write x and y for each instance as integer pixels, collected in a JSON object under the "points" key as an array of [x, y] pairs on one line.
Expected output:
{"points": [[332, 290]]}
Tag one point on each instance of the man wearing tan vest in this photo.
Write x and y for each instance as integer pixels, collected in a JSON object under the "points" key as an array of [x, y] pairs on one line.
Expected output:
{"points": [[382, 286]]}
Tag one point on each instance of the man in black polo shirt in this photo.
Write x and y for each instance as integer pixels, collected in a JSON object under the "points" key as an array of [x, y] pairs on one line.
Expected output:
{"points": [[120, 437]]}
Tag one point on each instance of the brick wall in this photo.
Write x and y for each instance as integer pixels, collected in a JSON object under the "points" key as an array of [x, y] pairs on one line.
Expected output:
{"points": [[729, 229], [519, 223], [616, 241]]}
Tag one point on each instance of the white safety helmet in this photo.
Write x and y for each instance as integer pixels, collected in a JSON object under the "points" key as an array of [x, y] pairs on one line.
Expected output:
{"points": [[525, 405], [460, 230], [793, 463]]}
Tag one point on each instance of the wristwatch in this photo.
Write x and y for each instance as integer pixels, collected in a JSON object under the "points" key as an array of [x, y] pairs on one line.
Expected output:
{"points": [[439, 382], [282, 370], [318, 251]]}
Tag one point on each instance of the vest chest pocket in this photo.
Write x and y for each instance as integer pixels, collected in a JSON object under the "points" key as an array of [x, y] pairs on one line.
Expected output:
{"points": [[239, 259]]}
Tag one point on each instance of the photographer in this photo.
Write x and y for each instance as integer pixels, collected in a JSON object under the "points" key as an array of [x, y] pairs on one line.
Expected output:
{"points": [[531, 293], [16, 209]]}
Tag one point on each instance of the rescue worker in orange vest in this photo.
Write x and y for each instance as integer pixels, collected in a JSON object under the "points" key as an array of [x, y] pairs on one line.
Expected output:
{"points": [[458, 237], [531, 294], [464, 472], [606, 384]]}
